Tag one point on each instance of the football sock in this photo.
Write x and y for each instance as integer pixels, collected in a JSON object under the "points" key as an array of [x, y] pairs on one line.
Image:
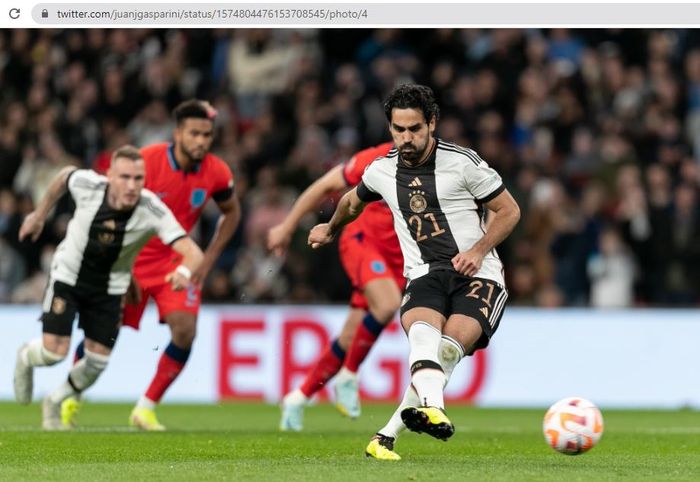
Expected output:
{"points": [[171, 363], [450, 353], [145, 402], [296, 397], [325, 368], [365, 336], [81, 376], [427, 375], [395, 425], [35, 355]]}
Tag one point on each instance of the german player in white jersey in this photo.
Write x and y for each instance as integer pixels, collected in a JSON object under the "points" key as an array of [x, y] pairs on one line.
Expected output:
{"points": [[91, 270], [453, 303]]}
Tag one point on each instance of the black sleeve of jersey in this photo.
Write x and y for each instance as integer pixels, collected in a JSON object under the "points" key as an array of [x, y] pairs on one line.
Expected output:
{"points": [[493, 195], [366, 195], [223, 195]]}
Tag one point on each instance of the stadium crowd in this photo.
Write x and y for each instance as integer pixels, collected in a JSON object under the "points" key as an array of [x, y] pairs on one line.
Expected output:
{"points": [[595, 132]]}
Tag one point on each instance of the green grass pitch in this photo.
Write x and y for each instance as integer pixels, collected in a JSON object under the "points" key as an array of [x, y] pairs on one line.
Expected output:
{"points": [[240, 441]]}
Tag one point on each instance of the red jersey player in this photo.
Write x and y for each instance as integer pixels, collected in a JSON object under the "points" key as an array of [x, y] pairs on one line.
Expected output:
{"points": [[184, 175], [370, 253]]}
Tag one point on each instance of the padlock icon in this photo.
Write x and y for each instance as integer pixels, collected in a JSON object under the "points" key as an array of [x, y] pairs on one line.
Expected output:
{"points": [[44, 13]]}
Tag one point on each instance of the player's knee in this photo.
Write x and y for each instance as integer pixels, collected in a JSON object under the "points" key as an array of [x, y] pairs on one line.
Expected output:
{"points": [[96, 361], [183, 335], [385, 309], [55, 355]]}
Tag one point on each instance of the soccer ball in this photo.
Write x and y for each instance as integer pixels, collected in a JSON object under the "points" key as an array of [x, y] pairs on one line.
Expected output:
{"points": [[573, 426]]}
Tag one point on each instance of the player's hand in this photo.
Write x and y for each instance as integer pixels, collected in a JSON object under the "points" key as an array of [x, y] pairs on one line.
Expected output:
{"points": [[320, 235], [201, 273], [468, 263], [32, 226], [278, 239], [133, 293], [177, 281]]}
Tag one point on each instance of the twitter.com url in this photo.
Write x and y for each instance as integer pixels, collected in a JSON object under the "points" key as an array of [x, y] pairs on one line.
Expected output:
{"points": [[214, 14]]}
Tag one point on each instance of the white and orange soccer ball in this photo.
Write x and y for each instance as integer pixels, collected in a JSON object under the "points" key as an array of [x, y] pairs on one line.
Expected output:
{"points": [[573, 426]]}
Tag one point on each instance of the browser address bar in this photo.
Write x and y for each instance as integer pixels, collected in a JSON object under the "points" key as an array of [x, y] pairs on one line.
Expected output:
{"points": [[355, 14]]}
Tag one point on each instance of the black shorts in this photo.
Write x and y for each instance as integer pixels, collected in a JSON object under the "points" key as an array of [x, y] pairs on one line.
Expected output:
{"points": [[449, 292], [100, 313]]}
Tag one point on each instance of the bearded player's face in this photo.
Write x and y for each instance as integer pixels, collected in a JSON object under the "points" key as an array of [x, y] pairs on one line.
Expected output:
{"points": [[193, 137], [411, 133]]}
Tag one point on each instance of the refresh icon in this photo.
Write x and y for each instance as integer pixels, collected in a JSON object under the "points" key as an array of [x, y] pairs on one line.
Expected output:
{"points": [[14, 13]]}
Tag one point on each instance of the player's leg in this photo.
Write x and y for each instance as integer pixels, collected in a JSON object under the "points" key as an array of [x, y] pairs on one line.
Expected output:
{"points": [[372, 275], [172, 362], [81, 376], [383, 299], [132, 313], [318, 376], [381, 446], [100, 316], [179, 310], [52, 347], [423, 312], [476, 307]]}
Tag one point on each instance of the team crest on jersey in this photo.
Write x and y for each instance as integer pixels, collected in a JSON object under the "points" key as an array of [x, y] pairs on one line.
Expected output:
{"points": [[198, 197], [107, 236], [418, 202], [377, 266], [58, 306]]}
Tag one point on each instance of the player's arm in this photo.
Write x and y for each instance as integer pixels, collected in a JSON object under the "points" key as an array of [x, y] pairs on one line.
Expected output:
{"points": [[349, 208], [279, 237], [192, 258], [33, 224], [225, 227], [505, 214]]}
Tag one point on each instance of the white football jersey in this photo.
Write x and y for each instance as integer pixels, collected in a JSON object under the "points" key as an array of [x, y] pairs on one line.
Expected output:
{"points": [[101, 243], [437, 206]]}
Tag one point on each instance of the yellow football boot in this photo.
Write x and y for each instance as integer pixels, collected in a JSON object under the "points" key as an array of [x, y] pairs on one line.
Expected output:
{"points": [[69, 412], [145, 419], [381, 447], [430, 420]]}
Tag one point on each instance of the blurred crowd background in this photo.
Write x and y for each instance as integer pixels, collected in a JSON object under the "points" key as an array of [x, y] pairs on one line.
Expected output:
{"points": [[595, 132]]}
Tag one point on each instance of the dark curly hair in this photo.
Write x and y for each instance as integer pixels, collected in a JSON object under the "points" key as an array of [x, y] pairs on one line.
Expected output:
{"points": [[412, 96], [192, 109]]}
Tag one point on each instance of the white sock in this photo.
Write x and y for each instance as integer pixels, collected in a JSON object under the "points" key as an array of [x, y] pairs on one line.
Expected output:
{"points": [[344, 374], [450, 354], [296, 397], [145, 402], [81, 376], [88, 369], [35, 355], [63, 391], [427, 376], [395, 425]]}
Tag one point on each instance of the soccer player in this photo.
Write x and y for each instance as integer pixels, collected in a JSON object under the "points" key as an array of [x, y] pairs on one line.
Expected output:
{"points": [[91, 270], [184, 175], [370, 253], [455, 295]]}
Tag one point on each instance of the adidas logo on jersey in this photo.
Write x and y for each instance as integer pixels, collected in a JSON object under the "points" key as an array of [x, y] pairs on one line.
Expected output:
{"points": [[415, 183], [485, 311]]}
